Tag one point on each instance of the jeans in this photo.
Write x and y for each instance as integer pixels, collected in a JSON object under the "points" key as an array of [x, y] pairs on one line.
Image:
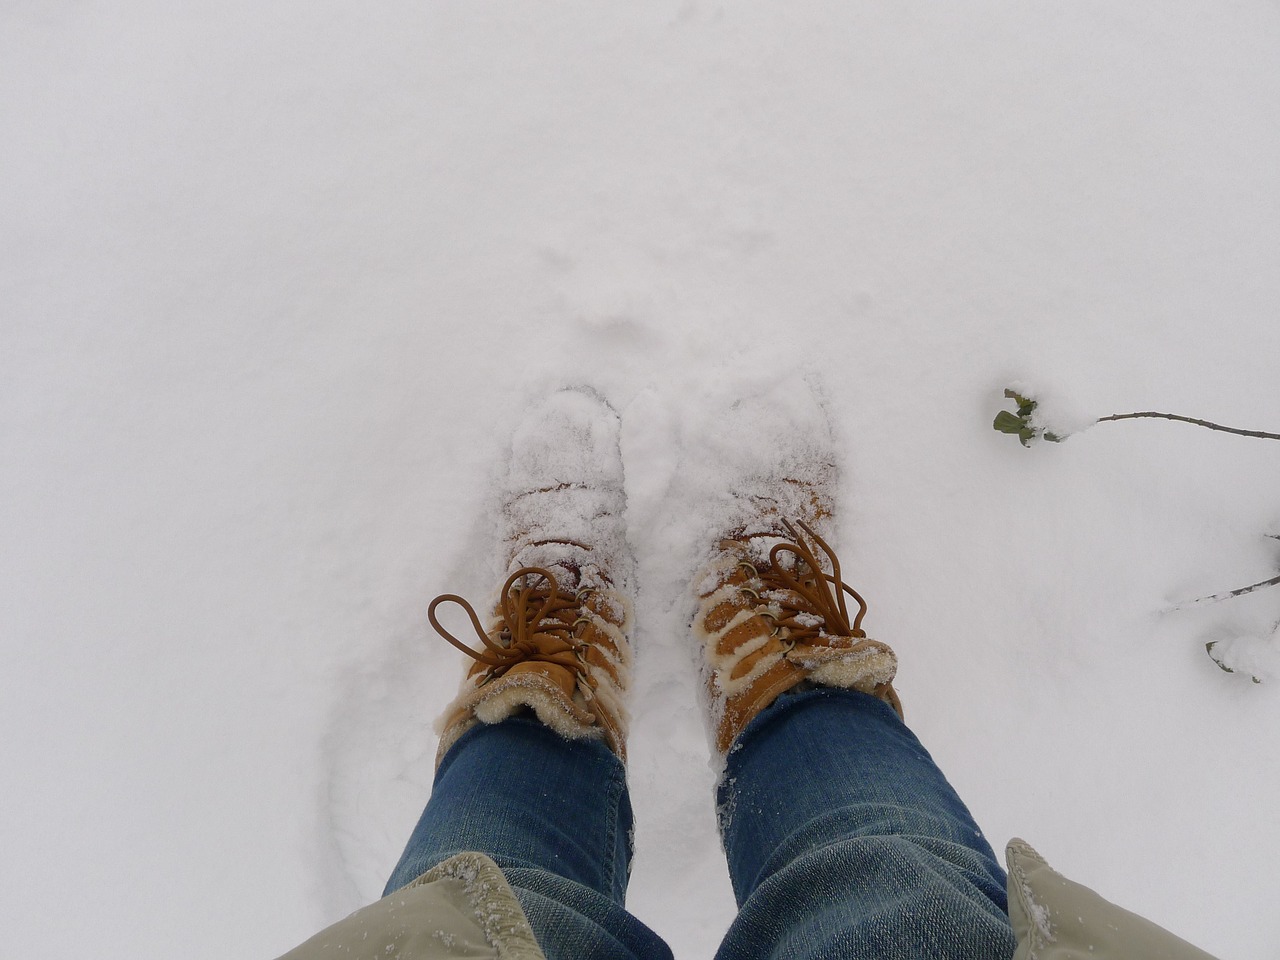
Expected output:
{"points": [[843, 839]]}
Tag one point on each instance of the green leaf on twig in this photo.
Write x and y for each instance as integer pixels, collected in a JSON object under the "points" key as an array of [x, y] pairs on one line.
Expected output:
{"points": [[1019, 424]]}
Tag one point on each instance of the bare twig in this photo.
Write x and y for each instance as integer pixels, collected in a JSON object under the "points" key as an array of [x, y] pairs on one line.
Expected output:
{"points": [[1199, 423], [1235, 593]]}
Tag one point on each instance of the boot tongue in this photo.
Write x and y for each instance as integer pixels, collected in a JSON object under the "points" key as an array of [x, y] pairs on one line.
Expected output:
{"points": [[566, 561], [568, 577]]}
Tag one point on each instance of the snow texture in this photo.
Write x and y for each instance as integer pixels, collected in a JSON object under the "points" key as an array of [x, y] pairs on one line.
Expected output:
{"points": [[1256, 657], [277, 281], [562, 504]]}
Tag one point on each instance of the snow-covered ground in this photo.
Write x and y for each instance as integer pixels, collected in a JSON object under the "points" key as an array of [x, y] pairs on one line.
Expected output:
{"points": [[275, 278]]}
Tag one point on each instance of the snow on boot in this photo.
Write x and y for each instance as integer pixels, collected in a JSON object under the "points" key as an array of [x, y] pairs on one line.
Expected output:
{"points": [[770, 616], [557, 642]]}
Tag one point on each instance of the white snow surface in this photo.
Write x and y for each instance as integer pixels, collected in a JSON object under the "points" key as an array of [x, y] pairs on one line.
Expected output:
{"points": [[276, 280]]}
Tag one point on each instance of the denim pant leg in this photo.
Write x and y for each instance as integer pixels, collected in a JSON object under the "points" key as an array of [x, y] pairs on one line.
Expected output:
{"points": [[555, 816], [845, 840]]}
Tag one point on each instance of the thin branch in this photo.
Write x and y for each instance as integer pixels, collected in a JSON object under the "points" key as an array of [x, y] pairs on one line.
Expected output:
{"points": [[1199, 423], [1235, 593]]}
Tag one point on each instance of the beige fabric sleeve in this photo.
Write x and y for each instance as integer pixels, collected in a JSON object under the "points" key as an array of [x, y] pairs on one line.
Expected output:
{"points": [[461, 908], [1058, 919]]}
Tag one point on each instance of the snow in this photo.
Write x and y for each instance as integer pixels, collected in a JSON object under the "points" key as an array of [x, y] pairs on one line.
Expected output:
{"points": [[564, 483], [277, 280], [1256, 657]]}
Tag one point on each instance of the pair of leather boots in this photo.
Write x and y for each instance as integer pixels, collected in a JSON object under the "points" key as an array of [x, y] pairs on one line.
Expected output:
{"points": [[772, 612]]}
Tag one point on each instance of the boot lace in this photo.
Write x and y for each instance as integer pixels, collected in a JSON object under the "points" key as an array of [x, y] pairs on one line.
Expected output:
{"points": [[812, 601], [538, 624]]}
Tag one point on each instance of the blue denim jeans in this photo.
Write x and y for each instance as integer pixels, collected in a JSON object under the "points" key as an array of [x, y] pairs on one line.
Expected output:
{"points": [[843, 839]]}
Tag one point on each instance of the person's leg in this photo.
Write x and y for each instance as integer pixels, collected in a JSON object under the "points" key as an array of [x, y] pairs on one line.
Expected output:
{"points": [[554, 814], [845, 840], [530, 769]]}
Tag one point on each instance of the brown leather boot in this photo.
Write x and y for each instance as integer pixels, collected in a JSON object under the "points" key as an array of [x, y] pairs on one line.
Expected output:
{"points": [[557, 643], [561, 653], [772, 613], [769, 625]]}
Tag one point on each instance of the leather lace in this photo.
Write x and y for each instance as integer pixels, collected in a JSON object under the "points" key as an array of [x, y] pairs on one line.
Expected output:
{"points": [[809, 591], [537, 624]]}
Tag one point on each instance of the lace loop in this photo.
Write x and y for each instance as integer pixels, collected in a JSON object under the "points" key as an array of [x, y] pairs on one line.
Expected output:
{"points": [[535, 624], [813, 588]]}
